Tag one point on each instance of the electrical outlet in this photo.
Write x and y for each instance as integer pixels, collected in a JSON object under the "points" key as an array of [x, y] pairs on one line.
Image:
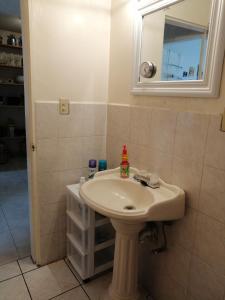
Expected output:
{"points": [[223, 122], [64, 106]]}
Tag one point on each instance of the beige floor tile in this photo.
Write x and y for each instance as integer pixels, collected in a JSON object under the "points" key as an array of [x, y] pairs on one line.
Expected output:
{"points": [[14, 289], [26, 264], [9, 270], [97, 289], [75, 294], [50, 281]]}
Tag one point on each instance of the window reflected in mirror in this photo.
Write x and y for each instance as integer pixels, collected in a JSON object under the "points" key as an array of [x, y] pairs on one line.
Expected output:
{"points": [[175, 39]]}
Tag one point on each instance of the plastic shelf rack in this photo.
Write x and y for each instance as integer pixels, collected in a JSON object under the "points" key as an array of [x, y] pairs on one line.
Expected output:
{"points": [[90, 237]]}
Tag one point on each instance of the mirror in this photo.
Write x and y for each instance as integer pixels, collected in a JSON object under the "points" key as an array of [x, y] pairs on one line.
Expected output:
{"points": [[182, 41]]}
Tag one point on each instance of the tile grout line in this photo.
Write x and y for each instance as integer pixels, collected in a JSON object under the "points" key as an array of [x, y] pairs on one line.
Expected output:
{"points": [[74, 288], [10, 232], [10, 278], [204, 161], [37, 267], [80, 284], [24, 281], [14, 243], [72, 271], [85, 292]]}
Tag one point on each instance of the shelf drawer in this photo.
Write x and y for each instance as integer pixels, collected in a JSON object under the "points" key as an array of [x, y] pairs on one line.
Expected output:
{"points": [[104, 233], [104, 257], [79, 262], [78, 236], [77, 207]]}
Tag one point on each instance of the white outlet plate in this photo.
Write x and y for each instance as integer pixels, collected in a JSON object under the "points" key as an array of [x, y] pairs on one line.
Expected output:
{"points": [[64, 106]]}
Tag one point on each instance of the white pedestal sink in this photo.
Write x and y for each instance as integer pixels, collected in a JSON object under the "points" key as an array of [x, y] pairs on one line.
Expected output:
{"points": [[129, 205]]}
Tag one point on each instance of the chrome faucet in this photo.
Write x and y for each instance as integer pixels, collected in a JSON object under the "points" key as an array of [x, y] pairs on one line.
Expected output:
{"points": [[147, 179]]}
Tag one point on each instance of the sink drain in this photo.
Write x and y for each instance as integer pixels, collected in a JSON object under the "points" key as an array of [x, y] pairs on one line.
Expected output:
{"points": [[130, 207]]}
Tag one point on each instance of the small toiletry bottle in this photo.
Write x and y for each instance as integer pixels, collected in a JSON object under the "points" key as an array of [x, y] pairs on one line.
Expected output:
{"points": [[82, 181], [102, 165], [92, 168], [124, 166]]}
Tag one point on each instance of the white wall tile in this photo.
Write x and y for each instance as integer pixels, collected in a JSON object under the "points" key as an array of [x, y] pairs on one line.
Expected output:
{"points": [[47, 155], [69, 153], [205, 284], [53, 217], [71, 125], [191, 133], [162, 130], [46, 120], [215, 150], [212, 198], [140, 120], [52, 247], [187, 175], [119, 122], [94, 120], [210, 242]]}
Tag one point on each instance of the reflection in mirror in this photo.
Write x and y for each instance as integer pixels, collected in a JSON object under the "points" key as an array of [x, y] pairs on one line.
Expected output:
{"points": [[175, 40]]}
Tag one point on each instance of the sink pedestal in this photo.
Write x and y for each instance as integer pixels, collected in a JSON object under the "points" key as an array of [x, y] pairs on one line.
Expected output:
{"points": [[124, 284]]}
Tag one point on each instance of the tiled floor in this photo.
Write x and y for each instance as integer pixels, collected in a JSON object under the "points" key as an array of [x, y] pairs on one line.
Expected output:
{"points": [[22, 280], [14, 215]]}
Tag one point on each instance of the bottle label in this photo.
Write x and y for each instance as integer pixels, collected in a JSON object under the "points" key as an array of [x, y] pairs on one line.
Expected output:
{"points": [[124, 170]]}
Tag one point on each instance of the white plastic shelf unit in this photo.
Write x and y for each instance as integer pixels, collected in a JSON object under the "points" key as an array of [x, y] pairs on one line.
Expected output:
{"points": [[90, 236]]}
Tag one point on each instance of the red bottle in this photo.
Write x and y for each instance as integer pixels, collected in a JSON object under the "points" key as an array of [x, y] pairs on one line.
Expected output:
{"points": [[124, 166]]}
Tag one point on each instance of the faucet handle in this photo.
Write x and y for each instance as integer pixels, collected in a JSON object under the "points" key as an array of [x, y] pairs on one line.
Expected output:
{"points": [[154, 180], [142, 173]]}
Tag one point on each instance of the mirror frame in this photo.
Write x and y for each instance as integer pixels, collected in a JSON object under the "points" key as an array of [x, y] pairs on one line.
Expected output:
{"points": [[210, 85]]}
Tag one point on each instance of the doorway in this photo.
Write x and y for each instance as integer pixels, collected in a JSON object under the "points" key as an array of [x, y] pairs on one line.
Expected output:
{"points": [[14, 203]]}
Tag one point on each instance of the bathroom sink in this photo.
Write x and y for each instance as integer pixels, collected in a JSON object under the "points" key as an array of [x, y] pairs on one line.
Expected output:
{"points": [[127, 199]]}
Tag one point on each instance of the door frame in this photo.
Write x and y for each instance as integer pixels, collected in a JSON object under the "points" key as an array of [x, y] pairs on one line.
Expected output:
{"points": [[25, 8]]}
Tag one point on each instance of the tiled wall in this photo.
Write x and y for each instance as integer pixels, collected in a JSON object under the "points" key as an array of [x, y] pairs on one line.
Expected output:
{"points": [[65, 143], [186, 149]]}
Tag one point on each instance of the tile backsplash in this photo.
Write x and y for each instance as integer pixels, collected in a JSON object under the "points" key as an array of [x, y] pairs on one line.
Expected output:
{"points": [[65, 143], [186, 149]]}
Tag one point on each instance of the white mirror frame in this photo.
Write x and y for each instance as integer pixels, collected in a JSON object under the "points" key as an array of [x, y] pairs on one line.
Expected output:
{"points": [[210, 85]]}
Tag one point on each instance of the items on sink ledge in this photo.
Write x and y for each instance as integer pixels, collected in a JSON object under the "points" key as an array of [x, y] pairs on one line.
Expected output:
{"points": [[124, 166], [102, 166]]}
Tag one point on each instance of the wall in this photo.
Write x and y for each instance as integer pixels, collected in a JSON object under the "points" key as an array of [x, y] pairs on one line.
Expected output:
{"points": [[121, 64], [179, 139], [69, 49], [64, 146], [197, 12], [70, 45]]}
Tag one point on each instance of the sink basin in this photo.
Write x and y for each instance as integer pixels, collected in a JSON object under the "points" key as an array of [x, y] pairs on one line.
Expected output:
{"points": [[129, 205], [127, 199]]}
